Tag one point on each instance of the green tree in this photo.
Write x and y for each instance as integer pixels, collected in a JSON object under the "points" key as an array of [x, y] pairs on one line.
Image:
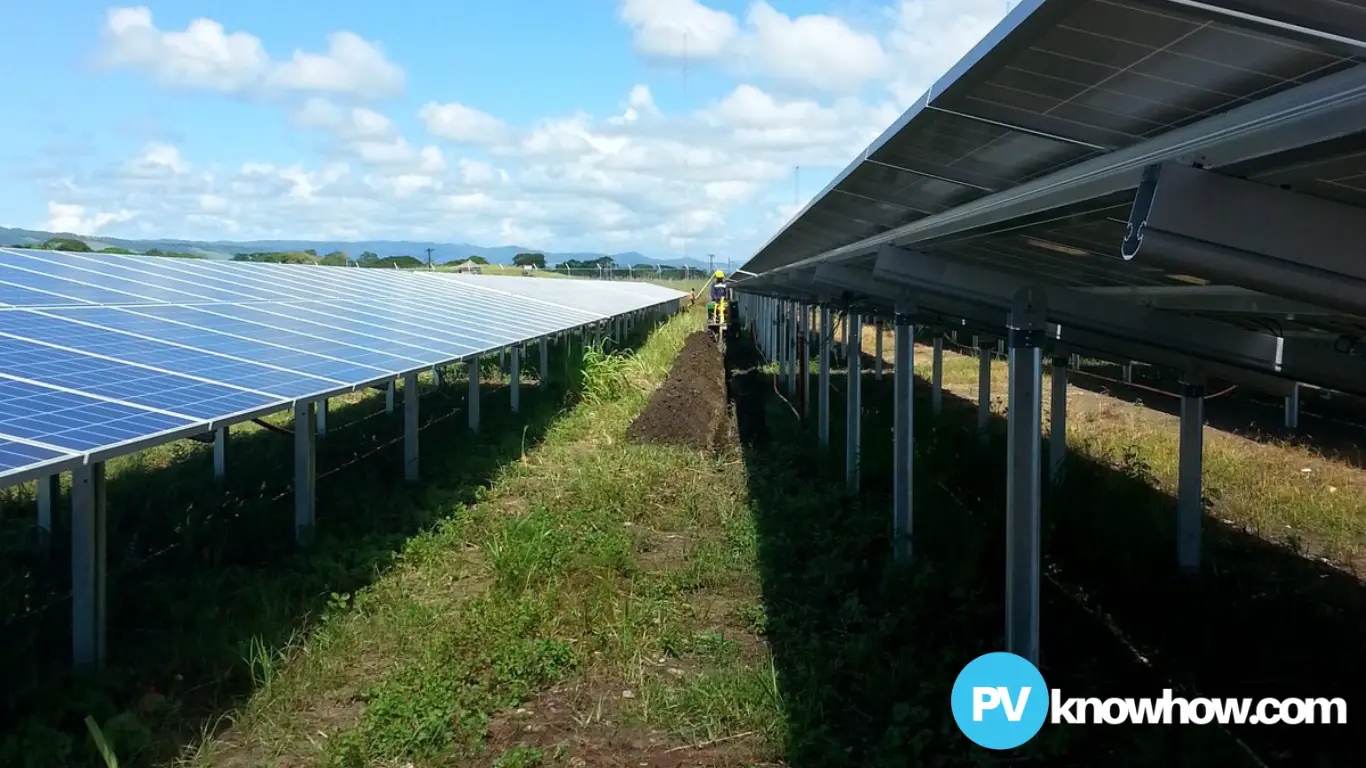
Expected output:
{"points": [[117, 251], [335, 259], [368, 259], [66, 244], [479, 260], [536, 260]]}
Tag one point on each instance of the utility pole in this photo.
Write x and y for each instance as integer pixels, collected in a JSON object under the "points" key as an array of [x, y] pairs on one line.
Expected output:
{"points": [[711, 263], [429, 257]]}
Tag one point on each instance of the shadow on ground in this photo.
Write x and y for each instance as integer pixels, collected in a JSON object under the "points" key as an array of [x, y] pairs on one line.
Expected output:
{"points": [[205, 579], [866, 649]]}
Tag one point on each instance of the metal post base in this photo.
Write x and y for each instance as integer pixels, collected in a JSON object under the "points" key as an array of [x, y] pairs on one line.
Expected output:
{"points": [[1023, 474], [903, 418], [473, 404], [853, 407], [1189, 504], [89, 568], [411, 394], [305, 472]]}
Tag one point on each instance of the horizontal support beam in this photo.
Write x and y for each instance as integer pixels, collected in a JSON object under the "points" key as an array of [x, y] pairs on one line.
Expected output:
{"points": [[991, 320], [1197, 338], [1035, 124], [1234, 231], [1209, 298]]}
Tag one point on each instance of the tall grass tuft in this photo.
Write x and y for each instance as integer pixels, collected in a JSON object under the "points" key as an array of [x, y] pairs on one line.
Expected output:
{"points": [[608, 376]]}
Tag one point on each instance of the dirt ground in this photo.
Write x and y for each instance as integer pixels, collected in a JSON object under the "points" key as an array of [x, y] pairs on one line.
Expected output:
{"points": [[688, 409]]}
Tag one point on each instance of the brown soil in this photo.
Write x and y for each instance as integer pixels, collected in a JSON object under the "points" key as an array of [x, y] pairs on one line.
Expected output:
{"points": [[689, 407]]}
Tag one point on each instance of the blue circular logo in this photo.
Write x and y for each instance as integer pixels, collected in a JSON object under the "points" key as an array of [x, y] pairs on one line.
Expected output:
{"points": [[999, 700]]}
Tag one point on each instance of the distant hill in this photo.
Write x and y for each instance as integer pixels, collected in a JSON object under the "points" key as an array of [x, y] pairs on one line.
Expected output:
{"points": [[442, 253]]}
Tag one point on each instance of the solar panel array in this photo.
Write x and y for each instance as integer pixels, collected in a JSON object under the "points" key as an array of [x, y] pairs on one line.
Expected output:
{"points": [[100, 354], [1057, 82]]}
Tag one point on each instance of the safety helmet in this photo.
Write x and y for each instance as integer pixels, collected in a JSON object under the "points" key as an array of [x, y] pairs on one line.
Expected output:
{"points": [[720, 275]]}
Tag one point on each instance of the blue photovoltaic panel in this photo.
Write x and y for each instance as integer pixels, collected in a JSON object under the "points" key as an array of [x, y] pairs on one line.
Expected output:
{"points": [[466, 332], [160, 283], [310, 356], [311, 319], [98, 350], [119, 346], [75, 422], [358, 354], [28, 289], [62, 279], [14, 455], [120, 381]]}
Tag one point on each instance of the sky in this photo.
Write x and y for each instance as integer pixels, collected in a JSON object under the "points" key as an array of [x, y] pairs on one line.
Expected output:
{"points": [[670, 127]]}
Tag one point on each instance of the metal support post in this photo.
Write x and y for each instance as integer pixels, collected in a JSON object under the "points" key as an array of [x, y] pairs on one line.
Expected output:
{"points": [[220, 453], [1189, 505], [804, 358], [89, 568], [983, 390], [1127, 370], [903, 371], [1023, 470], [937, 373], [436, 376], [515, 376], [1057, 423], [410, 426], [502, 359], [1292, 408], [823, 388], [49, 488], [473, 404], [321, 424], [545, 360], [877, 348], [305, 472], [790, 338], [853, 413], [389, 397]]}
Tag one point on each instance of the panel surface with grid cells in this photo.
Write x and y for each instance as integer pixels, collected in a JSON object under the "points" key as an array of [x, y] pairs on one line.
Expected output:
{"points": [[99, 351], [16, 455]]}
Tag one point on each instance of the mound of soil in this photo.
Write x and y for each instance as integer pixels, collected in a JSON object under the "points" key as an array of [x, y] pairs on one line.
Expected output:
{"points": [[688, 408]]}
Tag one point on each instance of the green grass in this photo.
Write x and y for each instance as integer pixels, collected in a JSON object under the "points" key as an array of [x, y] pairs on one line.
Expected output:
{"points": [[550, 590], [589, 559]]}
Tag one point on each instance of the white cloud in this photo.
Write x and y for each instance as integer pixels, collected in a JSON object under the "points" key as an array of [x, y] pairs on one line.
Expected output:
{"points": [[461, 123], [929, 36], [817, 50], [72, 218], [813, 91], [350, 66], [202, 56], [673, 28], [205, 56]]}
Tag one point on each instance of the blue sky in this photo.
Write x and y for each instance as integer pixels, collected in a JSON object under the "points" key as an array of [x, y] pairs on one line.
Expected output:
{"points": [[554, 125]]}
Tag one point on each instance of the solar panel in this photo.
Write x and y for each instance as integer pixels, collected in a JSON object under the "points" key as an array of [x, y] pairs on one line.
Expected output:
{"points": [[1056, 83], [16, 455], [100, 351], [68, 420]]}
